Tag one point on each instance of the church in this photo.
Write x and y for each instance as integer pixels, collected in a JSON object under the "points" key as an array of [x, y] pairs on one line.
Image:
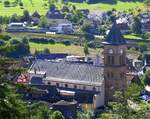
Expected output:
{"points": [[91, 86]]}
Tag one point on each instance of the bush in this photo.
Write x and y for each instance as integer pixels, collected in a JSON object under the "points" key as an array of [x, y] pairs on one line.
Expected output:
{"points": [[39, 40], [91, 44], [46, 51], [51, 41], [66, 42], [21, 4], [6, 3], [2, 42], [14, 41], [6, 37]]}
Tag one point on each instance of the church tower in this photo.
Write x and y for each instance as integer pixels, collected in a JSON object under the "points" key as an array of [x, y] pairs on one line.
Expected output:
{"points": [[114, 63]]}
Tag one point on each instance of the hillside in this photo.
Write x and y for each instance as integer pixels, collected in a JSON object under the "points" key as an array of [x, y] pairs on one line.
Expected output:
{"points": [[42, 6]]}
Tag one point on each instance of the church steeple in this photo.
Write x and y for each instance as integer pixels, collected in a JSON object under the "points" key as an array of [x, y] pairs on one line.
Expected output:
{"points": [[114, 36], [114, 62]]}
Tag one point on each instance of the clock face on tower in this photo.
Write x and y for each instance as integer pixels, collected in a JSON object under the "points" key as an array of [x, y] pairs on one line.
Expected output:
{"points": [[110, 51], [121, 51]]}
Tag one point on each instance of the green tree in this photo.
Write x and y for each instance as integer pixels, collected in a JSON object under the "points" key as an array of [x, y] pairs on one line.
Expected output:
{"points": [[43, 22], [133, 91], [57, 115], [136, 26], [6, 3], [46, 51], [86, 50], [85, 115], [142, 47], [26, 16], [11, 105], [146, 78], [85, 27], [14, 18]]}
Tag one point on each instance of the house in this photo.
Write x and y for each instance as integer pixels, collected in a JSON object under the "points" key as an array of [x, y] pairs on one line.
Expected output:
{"points": [[145, 25], [35, 18], [57, 22], [16, 26], [145, 22], [85, 12], [147, 60], [123, 25], [68, 109]]}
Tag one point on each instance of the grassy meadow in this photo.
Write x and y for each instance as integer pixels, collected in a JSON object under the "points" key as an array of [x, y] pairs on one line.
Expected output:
{"points": [[42, 6], [61, 48]]}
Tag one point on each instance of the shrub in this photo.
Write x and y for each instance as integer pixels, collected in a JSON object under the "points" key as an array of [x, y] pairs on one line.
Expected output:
{"points": [[46, 51], [6, 37], [2, 42], [21, 4], [14, 41], [66, 42], [6, 3], [51, 41], [91, 44]]}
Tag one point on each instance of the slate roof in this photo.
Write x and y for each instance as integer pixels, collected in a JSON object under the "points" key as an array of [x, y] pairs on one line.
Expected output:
{"points": [[36, 14], [70, 71], [114, 36], [54, 14]]}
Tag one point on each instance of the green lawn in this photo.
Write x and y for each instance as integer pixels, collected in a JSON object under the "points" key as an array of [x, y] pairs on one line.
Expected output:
{"points": [[32, 35], [130, 36], [120, 6], [38, 5], [42, 6], [60, 48]]}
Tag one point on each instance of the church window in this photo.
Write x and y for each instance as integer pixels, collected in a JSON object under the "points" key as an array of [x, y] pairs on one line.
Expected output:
{"points": [[49, 83], [121, 60], [122, 75], [75, 86], [112, 75], [108, 74], [110, 60], [66, 85], [84, 87], [57, 84], [94, 88]]}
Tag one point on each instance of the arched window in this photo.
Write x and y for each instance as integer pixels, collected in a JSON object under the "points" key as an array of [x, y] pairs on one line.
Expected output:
{"points": [[108, 76], [75, 86], [121, 75], [57, 84], [112, 75], [110, 60], [121, 60], [66, 85], [49, 83], [94, 88]]}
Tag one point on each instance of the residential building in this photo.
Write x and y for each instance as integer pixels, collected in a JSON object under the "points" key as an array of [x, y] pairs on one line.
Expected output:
{"points": [[57, 22]]}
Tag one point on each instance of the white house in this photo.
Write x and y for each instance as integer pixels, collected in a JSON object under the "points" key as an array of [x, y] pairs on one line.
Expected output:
{"points": [[16, 26]]}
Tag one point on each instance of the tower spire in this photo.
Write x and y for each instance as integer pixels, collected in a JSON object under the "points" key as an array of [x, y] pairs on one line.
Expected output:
{"points": [[114, 36]]}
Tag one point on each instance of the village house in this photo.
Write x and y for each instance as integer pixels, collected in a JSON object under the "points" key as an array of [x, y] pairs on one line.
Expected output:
{"points": [[35, 17], [16, 27], [57, 22], [145, 22], [123, 25]]}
